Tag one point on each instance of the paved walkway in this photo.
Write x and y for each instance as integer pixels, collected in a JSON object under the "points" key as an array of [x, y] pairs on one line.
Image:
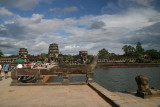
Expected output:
{"points": [[49, 96]]}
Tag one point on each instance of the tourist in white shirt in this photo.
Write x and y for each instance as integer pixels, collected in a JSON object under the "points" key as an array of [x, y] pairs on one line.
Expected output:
{"points": [[19, 66]]}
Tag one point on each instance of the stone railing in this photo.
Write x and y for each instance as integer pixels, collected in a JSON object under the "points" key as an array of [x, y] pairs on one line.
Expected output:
{"points": [[36, 76]]}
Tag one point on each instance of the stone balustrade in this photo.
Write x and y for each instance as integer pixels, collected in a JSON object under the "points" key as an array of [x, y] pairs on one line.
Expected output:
{"points": [[35, 76]]}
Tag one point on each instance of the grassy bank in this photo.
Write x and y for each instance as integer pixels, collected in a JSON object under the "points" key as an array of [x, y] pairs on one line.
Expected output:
{"points": [[126, 65]]}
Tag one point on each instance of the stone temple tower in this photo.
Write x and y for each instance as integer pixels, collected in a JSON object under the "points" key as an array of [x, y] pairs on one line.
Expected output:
{"points": [[53, 52], [83, 55], [23, 52]]}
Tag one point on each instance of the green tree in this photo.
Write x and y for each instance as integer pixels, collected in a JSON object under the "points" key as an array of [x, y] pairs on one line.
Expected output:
{"points": [[139, 50], [60, 59], [140, 58], [1, 53], [154, 54], [103, 54], [68, 57], [90, 58], [128, 50], [42, 56], [112, 54]]}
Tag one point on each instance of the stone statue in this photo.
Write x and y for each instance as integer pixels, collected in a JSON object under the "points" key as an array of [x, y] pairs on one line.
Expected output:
{"points": [[142, 83], [143, 87]]}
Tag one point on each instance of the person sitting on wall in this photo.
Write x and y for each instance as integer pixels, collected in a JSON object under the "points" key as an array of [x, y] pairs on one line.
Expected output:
{"points": [[32, 65], [19, 66], [28, 64]]}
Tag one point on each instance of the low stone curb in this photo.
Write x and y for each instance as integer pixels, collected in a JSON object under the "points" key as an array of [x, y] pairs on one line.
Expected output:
{"points": [[119, 99], [105, 94]]}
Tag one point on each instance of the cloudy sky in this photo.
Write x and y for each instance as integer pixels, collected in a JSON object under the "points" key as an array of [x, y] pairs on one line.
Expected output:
{"points": [[78, 25]]}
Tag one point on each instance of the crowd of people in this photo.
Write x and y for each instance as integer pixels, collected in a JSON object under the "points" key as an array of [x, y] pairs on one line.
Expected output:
{"points": [[33, 65]]}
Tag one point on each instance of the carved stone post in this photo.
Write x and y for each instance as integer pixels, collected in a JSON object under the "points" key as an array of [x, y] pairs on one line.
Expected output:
{"points": [[39, 78], [90, 76], [65, 77], [14, 78]]}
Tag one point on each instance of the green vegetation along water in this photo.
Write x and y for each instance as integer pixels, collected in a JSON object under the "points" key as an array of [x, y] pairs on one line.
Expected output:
{"points": [[123, 79]]}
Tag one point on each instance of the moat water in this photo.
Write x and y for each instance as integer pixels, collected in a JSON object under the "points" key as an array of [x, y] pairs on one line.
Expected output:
{"points": [[121, 79]]}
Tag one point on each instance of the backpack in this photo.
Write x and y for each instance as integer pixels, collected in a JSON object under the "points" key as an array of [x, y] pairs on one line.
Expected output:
{"points": [[4, 67]]}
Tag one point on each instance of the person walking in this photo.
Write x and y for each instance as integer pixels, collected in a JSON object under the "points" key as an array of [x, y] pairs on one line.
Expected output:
{"points": [[0, 71], [6, 69]]}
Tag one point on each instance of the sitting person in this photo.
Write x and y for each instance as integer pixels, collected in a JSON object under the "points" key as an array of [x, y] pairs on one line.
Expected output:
{"points": [[19, 66]]}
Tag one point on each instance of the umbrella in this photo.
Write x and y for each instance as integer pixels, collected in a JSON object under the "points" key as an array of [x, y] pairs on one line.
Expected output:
{"points": [[19, 60], [38, 61]]}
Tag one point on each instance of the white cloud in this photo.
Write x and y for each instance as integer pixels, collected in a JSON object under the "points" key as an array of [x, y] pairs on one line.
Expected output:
{"points": [[4, 12], [40, 47], [71, 47], [136, 3], [133, 19], [21, 4], [36, 32], [144, 2]]}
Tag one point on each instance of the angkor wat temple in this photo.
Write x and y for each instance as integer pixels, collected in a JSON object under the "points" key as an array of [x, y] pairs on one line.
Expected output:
{"points": [[53, 54]]}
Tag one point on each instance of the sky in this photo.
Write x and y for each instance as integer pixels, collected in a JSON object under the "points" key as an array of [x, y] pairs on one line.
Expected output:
{"points": [[77, 25]]}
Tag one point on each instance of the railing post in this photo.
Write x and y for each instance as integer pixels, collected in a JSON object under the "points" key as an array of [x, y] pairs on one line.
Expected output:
{"points": [[90, 76], [39, 78], [65, 77], [14, 77]]}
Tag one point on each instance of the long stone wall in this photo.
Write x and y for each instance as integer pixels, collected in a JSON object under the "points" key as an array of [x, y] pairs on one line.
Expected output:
{"points": [[8, 60], [35, 76]]}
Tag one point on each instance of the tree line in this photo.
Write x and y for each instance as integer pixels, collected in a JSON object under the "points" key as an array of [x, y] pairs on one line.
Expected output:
{"points": [[129, 50]]}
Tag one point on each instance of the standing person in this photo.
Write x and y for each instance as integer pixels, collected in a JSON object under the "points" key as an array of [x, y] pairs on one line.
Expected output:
{"points": [[46, 64], [6, 69], [32, 65], [0, 70], [28, 64]]}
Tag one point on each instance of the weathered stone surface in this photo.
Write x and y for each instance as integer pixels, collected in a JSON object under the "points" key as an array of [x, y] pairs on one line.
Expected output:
{"points": [[142, 83], [49, 96], [27, 71], [143, 87], [119, 99]]}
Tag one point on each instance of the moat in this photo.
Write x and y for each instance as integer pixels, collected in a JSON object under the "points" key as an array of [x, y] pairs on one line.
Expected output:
{"points": [[121, 79]]}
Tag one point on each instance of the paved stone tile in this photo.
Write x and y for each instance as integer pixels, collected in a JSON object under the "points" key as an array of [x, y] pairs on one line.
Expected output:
{"points": [[49, 96]]}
